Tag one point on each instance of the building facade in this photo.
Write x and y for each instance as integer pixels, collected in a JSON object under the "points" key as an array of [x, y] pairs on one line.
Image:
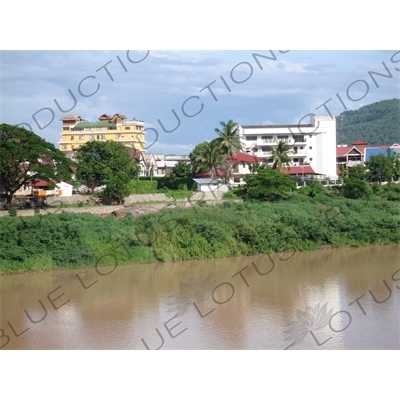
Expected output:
{"points": [[312, 144], [76, 131]]}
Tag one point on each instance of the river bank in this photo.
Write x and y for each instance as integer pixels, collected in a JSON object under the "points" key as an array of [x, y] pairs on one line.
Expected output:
{"points": [[69, 241]]}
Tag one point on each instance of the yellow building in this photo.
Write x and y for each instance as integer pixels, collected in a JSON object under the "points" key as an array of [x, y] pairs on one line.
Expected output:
{"points": [[76, 131]]}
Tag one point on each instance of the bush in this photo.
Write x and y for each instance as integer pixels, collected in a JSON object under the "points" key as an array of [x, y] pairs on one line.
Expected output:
{"points": [[142, 187], [356, 189], [12, 212], [229, 195]]}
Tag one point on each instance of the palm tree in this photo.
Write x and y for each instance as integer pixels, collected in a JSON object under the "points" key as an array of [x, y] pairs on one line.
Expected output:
{"points": [[230, 143], [280, 156], [207, 157], [229, 138]]}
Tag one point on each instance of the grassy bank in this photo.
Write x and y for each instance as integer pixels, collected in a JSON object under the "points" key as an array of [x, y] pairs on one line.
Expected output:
{"points": [[67, 240]]}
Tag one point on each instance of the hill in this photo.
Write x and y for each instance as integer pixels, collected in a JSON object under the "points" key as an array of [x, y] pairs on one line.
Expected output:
{"points": [[377, 123]]}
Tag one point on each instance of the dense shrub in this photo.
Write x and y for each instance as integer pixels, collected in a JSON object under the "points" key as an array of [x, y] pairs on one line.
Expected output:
{"points": [[142, 187], [78, 240]]}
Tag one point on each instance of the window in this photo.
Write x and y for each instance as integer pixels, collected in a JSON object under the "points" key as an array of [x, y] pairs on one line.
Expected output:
{"points": [[268, 137], [139, 128], [310, 147], [91, 137], [251, 138], [310, 136], [266, 148], [102, 137], [283, 137], [310, 159], [63, 147], [117, 136], [295, 160], [298, 138], [81, 137], [65, 128], [72, 138], [127, 128]]}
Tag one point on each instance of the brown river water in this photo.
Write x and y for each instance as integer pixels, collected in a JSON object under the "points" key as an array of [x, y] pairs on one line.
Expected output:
{"points": [[319, 300]]}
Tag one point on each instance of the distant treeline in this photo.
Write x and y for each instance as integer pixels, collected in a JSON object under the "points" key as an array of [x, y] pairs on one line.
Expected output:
{"points": [[377, 123]]}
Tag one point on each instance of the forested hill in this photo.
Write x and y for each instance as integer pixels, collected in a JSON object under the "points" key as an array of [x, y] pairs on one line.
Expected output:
{"points": [[377, 123]]}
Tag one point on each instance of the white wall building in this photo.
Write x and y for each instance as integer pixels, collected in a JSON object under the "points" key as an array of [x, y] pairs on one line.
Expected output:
{"points": [[312, 144]]}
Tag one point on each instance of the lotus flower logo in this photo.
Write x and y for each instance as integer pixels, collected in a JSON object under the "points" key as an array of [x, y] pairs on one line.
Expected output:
{"points": [[312, 319], [190, 292]]}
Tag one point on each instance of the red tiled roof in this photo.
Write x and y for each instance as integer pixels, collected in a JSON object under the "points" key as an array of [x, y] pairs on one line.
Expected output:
{"points": [[218, 172], [40, 183], [342, 151], [306, 169], [245, 158]]}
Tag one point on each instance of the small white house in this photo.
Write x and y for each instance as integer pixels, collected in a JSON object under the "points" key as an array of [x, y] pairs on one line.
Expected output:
{"points": [[210, 185], [65, 188]]}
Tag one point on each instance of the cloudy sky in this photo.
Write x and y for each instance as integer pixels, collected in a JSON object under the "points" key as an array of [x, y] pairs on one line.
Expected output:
{"points": [[250, 87]]}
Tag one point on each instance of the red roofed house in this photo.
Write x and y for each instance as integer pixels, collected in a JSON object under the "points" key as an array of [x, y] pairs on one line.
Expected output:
{"points": [[240, 166]]}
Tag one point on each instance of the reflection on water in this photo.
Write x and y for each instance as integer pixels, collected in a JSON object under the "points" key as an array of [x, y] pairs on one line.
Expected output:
{"points": [[328, 299]]}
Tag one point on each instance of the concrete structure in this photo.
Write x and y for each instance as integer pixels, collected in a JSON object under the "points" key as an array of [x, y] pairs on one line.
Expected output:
{"points": [[312, 144], [210, 185], [65, 188], [76, 132], [160, 164], [43, 189]]}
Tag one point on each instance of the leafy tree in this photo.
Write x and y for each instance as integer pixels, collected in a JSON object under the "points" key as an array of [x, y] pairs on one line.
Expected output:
{"points": [[206, 157], [314, 188], [118, 186], [26, 157], [99, 161], [182, 170], [269, 184], [383, 168], [356, 189], [358, 171], [279, 156]]}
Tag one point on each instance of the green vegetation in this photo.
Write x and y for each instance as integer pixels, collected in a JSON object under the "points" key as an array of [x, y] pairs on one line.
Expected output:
{"points": [[26, 157], [206, 157], [376, 123], [81, 240], [100, 162], [269, 184], [142, 187], [182, 170], [279, 156], [383, 168]]}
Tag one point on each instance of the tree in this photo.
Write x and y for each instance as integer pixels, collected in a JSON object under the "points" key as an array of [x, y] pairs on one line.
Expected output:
{"points": [[206, 156], [229, 138], [99, 161], [269, 184], [383, 168], [356, 189], [359, 171], [182, 170], [279, 156], [118, 186], [27, 158], [230, 143]]}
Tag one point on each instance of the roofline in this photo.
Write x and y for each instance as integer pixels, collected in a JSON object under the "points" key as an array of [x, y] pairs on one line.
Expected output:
{"points": [[278, 126]]}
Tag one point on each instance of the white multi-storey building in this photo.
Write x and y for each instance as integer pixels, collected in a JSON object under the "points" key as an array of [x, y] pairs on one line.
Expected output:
{"points": [[311, 144]]}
